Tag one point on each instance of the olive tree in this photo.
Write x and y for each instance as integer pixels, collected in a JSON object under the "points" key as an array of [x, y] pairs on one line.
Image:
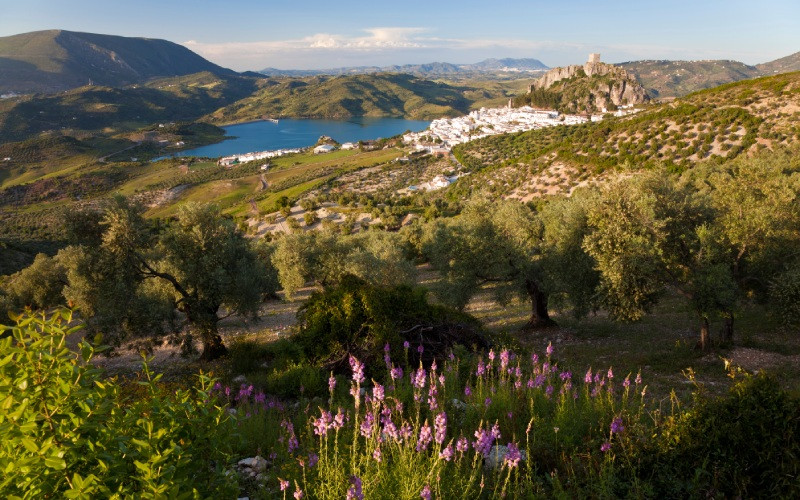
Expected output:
{"points": [[499, 243], [649, 232]]}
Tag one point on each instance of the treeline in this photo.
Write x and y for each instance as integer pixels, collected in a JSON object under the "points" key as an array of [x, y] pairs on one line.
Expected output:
{"points": [[720, 237]]}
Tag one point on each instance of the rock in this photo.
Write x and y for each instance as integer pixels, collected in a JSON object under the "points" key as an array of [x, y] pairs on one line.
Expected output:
{"points": [[256, 464], [458, 404], [240, 379], [497, 455]]}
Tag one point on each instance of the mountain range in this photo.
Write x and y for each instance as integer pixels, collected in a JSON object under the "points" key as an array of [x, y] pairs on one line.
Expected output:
{"points": [[507, 65]]}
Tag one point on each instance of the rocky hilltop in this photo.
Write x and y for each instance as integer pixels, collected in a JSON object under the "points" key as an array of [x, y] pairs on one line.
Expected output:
{"points": [[587, 88]]}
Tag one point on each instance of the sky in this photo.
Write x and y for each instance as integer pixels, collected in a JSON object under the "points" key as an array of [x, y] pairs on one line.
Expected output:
{"points": [[310, 34]]}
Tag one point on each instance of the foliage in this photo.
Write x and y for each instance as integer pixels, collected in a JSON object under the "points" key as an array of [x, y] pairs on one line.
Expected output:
{"points": [[67, 431], [325, 257], [742, 445], [357, 317]]}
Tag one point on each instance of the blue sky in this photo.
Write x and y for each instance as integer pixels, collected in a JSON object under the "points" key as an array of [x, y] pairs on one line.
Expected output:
{"points": [[303, 34]]}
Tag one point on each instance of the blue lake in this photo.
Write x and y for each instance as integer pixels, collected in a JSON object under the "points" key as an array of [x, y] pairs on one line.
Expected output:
{"points": [[290, 133]]}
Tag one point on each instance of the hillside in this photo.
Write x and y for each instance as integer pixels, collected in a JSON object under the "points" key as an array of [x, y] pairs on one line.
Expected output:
{"points": [[346, 96], [57, 60], [678, 78], [705, 127], [589, 88], [109, 109], [782, 65]]}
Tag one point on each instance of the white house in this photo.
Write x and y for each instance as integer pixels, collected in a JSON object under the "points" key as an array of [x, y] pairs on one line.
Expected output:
{"points": [[349, 145], [324, 148]]}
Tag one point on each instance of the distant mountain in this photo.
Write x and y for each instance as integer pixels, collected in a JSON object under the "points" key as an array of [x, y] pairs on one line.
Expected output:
{"points": [[678, 78], [378, 95], [429, 69], [782, 65], [57, 60]]}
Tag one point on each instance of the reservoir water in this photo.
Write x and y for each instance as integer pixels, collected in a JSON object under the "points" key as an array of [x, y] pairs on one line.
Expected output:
{"points": [[291, 133]]}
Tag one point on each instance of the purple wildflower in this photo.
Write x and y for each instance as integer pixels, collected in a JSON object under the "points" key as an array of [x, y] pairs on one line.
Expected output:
{"points": [[406, 431], [313, 459], [549, 390], [616, 426], [418, 378], [462, 445], [513, 456], [447, 453], [638, 378], [504, 358], [610, 374], [539, 381], [605, 446], [406, 345], [496, 430], [355, 492], [565, 375], [627, 382], [549, 349], [331, 383], [425, 494], [534, 358], [483, 442], [292, 443], [420, 349], [487, 402], [338, 420], [491, 356], [396, 373], [425, 437], [481, 368], [298, 493], [358, 369], [376, 455], [283, 483], [367, 425], [378, 392], [440, 427], [322, 423], [467, 391], [587, 379], [386, 347]]}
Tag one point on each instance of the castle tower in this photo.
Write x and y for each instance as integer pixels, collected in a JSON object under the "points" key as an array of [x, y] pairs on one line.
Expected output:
{"points": [[594, 58]]}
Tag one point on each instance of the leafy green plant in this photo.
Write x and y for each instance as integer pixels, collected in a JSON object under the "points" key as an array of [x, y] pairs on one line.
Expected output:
{"points": [[67, 431]]}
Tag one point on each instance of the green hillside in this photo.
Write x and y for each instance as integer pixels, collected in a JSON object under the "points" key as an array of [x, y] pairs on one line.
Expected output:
{"points": [[704, 127], [56, 60], [95, 108], [782, 65], [345, 96]]}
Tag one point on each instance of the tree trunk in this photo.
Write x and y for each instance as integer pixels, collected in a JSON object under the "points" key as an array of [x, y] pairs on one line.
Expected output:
{"points": [[727, 328], [213, 347], [204, 322], [539, 315], [705, 339]]}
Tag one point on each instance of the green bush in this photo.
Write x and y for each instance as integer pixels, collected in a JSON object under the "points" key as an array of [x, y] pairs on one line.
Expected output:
{"points": [[68, 432], [358, 318], [742, 445]]}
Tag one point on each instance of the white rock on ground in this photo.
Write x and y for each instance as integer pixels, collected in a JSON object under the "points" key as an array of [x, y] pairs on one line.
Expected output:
{"points": [[497, 455]]}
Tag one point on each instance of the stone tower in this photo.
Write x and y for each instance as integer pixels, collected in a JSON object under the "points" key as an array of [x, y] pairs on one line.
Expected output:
{"points": [[594, 58]]}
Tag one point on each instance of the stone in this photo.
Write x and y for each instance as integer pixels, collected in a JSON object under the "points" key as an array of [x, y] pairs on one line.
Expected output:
{"points": [[240, 379], [496, 456], [256, 464]]}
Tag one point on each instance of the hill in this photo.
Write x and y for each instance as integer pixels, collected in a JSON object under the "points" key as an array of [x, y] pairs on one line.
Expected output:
{"points": [[782, 65], [678, 78], [110, 109], [589, 88], [706, 127], [57, 60], [345, 96]]}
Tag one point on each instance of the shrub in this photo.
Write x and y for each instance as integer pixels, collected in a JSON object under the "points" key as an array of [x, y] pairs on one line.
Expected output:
{"points": [[66, 431], [737, 446], [356, 317]]}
